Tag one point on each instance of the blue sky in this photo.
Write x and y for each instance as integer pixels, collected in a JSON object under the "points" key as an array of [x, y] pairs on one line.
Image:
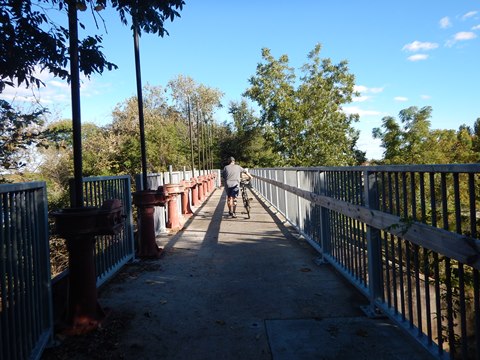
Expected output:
{"points": [[402, 53]]}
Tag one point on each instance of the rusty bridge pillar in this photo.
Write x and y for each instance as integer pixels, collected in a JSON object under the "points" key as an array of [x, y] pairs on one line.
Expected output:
{"points": [[171, 192], [186, 208], [195, 198], [79, 226], [146, 200], [201, 189]]}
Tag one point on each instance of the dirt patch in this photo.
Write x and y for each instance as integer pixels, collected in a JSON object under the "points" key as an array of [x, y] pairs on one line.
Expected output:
{"points": [[102, 343]]}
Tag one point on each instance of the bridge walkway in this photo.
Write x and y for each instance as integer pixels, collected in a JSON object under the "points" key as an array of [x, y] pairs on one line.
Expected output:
{"points": [[243, 289]]}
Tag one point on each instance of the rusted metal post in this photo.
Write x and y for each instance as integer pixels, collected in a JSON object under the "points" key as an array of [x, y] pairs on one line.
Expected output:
{"points": [[79, 226], [84, 313]]}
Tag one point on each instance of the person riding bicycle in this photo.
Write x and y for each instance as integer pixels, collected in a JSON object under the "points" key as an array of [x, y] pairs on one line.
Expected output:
{"points": [[231, 175]]}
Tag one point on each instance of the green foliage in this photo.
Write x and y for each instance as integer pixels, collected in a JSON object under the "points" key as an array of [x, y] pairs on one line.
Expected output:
{"points": [[30, 41], [245, 140], [28, 38], [305, 124], [413, 142], [166, 135]]}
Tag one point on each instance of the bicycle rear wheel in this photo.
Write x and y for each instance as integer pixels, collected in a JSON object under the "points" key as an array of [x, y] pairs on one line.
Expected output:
{"points": [[246, 202]]}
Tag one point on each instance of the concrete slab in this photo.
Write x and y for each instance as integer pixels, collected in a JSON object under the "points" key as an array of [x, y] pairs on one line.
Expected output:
{"points": [[339, 338]]}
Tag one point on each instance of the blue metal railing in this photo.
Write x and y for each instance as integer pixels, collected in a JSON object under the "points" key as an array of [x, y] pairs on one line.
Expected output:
{"points": [[26, 321], [405, 236]]}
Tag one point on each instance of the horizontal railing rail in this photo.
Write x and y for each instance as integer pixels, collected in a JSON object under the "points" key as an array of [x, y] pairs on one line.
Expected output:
{"points": [[26, 320], [406, 236]]}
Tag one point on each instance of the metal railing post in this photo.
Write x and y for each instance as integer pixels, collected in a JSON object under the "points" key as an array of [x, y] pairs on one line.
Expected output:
{"points": [[325, 240], [373, 246], [285, 193], [300, 221]]}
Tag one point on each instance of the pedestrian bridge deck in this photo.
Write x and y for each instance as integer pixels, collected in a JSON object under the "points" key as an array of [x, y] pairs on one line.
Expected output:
{"points": [[243, 289]]}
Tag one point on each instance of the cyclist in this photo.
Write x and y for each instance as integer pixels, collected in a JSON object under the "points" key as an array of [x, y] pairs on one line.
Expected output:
{"points": [[231, 175]]}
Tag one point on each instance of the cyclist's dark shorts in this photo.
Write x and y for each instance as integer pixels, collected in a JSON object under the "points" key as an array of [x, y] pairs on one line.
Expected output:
{"points": [[232, 191]]}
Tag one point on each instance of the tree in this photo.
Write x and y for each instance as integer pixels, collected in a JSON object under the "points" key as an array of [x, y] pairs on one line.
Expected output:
{"points": [[196, 103], [245, 140], [165, 132], [305, 124], [413, 142], [30, 41]]}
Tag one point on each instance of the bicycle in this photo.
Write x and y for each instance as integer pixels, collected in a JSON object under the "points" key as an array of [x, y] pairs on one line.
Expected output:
{"points": [[246, 200]]}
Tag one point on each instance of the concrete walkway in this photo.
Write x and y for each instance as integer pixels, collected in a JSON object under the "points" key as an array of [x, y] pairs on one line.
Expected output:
{"points": [[244, 289]]}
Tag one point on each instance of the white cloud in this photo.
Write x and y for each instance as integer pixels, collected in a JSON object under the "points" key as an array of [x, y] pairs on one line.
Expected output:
{"points": [[59, 84], [364, 89], [445, 22], [356, 110], [420, 46], [418, 57], [461, 36], [372, 146], [476, 27], [360, 88], [400, 98], [464, 35], [469, 15], [361, 98], [376, 90], [56, 91], [425, 97]]}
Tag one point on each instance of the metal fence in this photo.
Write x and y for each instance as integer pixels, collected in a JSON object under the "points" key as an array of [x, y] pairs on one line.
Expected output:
{"points": [[405, 236], [111, 251], [26, 321]]}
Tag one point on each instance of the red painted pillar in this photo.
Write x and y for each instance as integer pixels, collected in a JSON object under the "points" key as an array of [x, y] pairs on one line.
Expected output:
{"points": [[171, 191], [214, 177], [208, 188], [210, 183], [195, 196], [186, 209], [146, 200], [201, 191]]}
